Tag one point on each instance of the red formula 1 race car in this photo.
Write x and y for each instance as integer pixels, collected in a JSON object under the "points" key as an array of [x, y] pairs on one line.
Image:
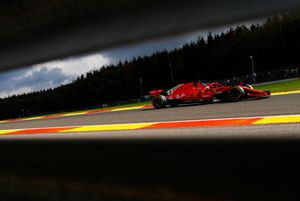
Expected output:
{"points": [[198, 92]]}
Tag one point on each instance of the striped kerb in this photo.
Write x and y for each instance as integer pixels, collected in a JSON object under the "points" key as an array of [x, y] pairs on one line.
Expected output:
{"points": [[160, 125]]}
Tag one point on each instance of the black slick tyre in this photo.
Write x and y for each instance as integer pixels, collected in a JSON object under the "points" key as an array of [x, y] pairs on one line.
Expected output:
{"points": [[159, 102], [235, 93]]}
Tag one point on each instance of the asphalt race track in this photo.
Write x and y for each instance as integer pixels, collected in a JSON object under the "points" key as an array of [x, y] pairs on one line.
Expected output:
{"points": [[275, 105]]}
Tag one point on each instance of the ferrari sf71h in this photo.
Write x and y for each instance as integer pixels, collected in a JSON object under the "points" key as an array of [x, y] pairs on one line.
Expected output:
{"points": [[198, 92]]}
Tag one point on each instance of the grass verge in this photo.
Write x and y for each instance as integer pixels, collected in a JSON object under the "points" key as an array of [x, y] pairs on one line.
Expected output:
{"points": [[109, 108], [280, 87], [131, 105]]}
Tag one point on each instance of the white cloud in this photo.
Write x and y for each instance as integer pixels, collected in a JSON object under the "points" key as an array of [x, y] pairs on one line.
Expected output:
{"points": [[48, 75], [20, 90], [24, 81], [77, 65]]}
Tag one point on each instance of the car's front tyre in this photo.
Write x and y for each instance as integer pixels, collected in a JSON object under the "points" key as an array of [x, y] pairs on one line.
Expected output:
{"points": [[235, 94]]}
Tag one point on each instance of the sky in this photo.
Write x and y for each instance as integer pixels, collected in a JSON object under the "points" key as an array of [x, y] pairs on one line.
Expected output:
{"points": [[55, 73]]}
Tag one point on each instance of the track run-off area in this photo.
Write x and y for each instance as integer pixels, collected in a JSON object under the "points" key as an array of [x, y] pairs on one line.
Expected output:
{"points": [[268, 116]]}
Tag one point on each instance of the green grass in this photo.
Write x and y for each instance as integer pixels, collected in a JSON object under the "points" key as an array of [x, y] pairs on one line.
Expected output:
{"points": [[112, 107], [130, 105], [105, 108], [281, 87]]}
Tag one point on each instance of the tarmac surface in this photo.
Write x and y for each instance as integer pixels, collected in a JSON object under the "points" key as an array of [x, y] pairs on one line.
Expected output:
{"points": [[275, 105]]}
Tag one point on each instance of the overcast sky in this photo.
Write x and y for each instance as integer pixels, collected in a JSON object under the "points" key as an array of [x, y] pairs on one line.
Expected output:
{"points": [[55, 73]]}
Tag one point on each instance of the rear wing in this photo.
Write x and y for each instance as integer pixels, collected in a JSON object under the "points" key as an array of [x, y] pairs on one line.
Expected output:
{"points": [[156, 92]]}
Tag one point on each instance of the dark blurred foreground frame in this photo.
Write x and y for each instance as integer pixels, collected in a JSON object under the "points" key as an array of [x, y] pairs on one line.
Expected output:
{"points": [[150, 170]]}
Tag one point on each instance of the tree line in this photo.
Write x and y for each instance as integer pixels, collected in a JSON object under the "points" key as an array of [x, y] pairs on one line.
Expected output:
{"points": [[273, 44]]}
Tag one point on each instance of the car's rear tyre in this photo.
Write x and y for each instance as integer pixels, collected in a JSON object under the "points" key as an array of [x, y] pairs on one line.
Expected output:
{"points": [[159, 101], [235, 94]]}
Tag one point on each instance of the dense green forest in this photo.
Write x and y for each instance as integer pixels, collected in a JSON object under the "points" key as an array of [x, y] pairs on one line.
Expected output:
{"points": [[273, 44]]}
